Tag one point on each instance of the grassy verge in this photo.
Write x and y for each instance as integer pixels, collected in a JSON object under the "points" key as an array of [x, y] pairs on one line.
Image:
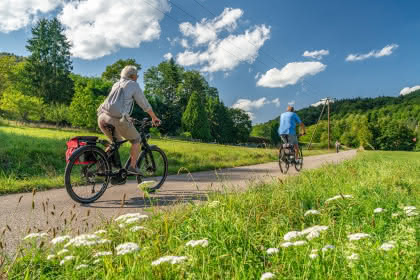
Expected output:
{"points": [[34, 158], [240, 229]]}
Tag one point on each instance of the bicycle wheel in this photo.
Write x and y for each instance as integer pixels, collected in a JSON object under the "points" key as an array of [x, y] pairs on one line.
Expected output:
{"points": [[299, 162], [87, 174], [153, 165], [283, 161]]}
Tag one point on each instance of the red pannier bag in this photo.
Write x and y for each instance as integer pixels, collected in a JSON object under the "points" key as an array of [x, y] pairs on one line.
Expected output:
{"points": [[75, 143]]}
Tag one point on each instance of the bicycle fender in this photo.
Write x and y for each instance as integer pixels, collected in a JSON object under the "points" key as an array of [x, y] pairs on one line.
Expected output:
{"points": [[86, 147]]}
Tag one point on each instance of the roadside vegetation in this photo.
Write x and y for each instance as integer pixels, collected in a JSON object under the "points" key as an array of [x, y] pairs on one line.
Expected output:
{"points": [[34, 158], [355, 220]]}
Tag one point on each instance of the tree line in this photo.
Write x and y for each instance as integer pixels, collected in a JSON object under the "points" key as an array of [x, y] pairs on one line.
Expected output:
{"points": [[384, 123], [43, 88]]}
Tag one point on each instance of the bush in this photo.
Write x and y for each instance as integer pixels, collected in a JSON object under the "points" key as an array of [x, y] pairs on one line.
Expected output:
{"points": [[21, 107], [59, 114]]}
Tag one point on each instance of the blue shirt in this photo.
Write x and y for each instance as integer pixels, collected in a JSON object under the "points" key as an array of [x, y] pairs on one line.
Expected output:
{"points": [[288, 121]]}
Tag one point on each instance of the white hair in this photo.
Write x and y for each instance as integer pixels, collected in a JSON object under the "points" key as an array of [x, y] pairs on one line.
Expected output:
{"points": [[128, 71]]}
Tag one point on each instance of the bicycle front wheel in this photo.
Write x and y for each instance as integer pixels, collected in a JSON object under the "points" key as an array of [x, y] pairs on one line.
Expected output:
{"points": [[299, 162], [153, 165], [283, 161], [87, 174]]}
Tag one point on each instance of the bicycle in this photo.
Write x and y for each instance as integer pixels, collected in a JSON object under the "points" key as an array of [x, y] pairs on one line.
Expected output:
{"points": [[287, 157], [89, 168]]}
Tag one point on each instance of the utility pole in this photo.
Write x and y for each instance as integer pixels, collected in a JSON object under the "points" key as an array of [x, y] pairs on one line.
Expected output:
{"points": [[329, 138]]}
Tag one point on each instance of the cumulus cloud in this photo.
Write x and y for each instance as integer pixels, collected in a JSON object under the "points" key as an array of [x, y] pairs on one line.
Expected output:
{"points": [[316, 54], [408, 90], [276, 102], [289, 74], [168, 56], [99, 27], [226, 54], [249, 105], [206, 31], [321, 102], [16, 14], [387, 50]]}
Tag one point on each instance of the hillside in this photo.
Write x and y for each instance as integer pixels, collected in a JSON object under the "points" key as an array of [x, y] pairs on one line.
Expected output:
{"points": [[374, 122]]}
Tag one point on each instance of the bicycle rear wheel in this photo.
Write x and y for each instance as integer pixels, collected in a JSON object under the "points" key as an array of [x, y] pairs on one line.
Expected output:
{"points": [[283, 161], [299, 162], [87, 174], [153, 165]]}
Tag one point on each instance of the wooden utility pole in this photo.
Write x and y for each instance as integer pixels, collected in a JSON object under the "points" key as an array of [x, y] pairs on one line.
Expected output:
{"points": [[328, 103]]}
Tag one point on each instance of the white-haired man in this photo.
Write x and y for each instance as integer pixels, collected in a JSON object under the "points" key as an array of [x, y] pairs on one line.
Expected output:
{"points": [[117, 108]]}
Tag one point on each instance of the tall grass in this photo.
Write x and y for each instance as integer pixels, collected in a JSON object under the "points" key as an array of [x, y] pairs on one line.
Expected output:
{"points": [[240, 228], [35, 157]]}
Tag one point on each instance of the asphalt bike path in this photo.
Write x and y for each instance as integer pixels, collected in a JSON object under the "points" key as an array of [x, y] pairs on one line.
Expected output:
{"points": [[53, 211]]}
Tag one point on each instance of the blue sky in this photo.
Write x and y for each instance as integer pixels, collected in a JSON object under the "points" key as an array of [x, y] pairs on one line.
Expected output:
{"points": [[252, 51]]}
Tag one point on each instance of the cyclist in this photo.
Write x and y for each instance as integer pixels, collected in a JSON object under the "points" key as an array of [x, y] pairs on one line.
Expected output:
{"points": [[287, 129], [117, 108]]}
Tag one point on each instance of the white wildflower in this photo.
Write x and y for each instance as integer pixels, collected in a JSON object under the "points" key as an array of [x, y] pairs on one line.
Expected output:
{"points": [[146, 184], [35, 236], [80, 266], [97, 261], [125, 217], [395, 215], [418, 276], [202, 243], [85, 240], [101, 254], [327, 247], [312, 235], [353, 256], [357, 236], [314, 228], [50, 257], [271, 251], [170, 259], [214, 204], [299, 243], [312, 212], [313, 256], [137, 228], [267, 275], [388, 246], [286, 244], [62, 252], [314, 251], [60, 239], [100, 232], [378, 210], [127, 248], [291, 235], [411, 213], [409, 208], [339, 197], [66, 259]]}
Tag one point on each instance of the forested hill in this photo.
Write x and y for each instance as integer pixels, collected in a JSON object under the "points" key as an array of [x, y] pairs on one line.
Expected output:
{"points": [[380, 122]]}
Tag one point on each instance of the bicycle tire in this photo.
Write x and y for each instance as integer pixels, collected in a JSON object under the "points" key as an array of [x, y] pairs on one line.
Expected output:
{"points": [[145, 164], [298, 166], [283, 161], [72, 167]]}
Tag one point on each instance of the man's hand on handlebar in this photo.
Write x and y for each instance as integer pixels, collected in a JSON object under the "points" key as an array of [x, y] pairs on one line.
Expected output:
{"points": [[156, 121]]}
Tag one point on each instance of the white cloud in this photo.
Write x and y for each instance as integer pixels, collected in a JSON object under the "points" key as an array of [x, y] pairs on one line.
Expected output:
{"points": [[276, 102], [247, 105], [99, 27], [321, 102], [316, 54], [251, 115], [226, 54], [289, 74], [184, 43], [206, 31], [16, 14], [408, 90], [387, 50], [168, 56]]}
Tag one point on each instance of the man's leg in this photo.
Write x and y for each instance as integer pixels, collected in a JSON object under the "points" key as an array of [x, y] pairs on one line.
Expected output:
{"points": [[296, 151], [134, 153]]}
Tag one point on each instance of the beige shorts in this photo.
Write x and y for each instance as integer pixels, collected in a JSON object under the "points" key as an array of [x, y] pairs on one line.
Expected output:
{"points": [[124, 129]]}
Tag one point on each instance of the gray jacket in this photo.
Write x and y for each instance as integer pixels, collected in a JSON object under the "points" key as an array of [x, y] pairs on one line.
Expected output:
{"points": [[130, 91]]}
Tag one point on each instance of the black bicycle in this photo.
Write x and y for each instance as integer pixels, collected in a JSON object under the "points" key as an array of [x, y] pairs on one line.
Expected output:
{"points": [[90, 169], [287, 157]]}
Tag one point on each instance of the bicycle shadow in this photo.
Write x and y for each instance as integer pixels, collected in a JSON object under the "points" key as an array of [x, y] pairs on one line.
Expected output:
{"points": [[167, 198]]}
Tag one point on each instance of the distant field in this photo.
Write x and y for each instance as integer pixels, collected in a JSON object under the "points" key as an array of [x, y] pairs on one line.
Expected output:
{"points": [[35, 157], [363, 224]]}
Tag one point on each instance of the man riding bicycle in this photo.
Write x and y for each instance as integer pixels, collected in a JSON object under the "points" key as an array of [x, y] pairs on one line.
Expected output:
{"points": [[287, 129], [117, 108]]}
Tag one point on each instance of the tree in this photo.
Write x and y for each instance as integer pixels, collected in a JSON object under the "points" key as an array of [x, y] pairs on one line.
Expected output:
{"points": [[395, 135], [242, 125], [221, 124], [7, 64], [49, 66], [113, 72], [22, 107], [274, 133], [195, 120]]}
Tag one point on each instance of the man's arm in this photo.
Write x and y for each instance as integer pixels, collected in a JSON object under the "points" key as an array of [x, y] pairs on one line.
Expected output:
{"points": [[144, 104], [302, 127]]}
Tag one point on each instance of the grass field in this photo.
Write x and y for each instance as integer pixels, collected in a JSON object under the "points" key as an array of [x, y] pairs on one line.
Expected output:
{"points": [[366, 226], [34, 158]]}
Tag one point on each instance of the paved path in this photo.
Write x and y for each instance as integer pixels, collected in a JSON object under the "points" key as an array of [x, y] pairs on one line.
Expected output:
{"points": [[54, 211]]}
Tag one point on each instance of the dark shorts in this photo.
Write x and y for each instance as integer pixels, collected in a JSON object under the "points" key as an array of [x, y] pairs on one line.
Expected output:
{"points": [[289, 139]]}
